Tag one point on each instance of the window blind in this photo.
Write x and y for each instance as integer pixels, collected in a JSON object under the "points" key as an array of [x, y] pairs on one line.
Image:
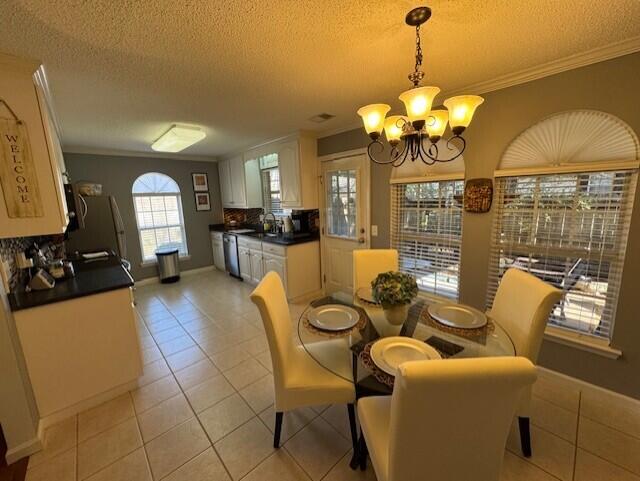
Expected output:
{"points": [[160, 223], [426, 230], [569, 230], [271, 190]]}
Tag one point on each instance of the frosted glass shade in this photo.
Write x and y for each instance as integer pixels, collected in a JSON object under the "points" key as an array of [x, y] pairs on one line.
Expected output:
{"points": [[418, 102], [373, 117], [437, 123], [461, 110], [393, 127], [178, 138]]}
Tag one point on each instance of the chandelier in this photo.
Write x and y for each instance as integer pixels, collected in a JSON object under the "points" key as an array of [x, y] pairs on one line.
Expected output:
{"points": [[422, 128]]}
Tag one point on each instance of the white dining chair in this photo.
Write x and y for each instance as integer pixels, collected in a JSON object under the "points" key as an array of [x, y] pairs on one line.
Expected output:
{"points": [[368, 263], [522, 307], [446, 420], [300, 380]]}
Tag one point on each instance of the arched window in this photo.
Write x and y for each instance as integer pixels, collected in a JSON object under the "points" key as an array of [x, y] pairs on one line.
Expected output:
{"points": [[156, 198], [564, 192]]}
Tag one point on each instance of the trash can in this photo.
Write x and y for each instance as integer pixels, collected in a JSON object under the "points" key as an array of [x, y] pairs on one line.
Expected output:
{"points": [[168, 267]]}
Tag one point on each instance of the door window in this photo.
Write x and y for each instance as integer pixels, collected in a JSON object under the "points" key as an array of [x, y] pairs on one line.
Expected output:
{"points": [[341, 203]]}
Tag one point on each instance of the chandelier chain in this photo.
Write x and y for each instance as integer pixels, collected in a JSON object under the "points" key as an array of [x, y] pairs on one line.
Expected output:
{"points": [[417, 75]]}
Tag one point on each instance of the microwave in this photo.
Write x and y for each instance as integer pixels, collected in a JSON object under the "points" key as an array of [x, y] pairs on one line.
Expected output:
{"points": [[76, 207]]}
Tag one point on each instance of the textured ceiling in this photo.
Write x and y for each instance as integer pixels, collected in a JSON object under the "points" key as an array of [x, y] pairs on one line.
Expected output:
{"points": [[122, 71]]}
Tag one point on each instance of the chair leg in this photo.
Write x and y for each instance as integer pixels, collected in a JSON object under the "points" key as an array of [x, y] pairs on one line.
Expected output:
{"points": [[278, 430], [525, 436], [363, 451], [352, 424]]}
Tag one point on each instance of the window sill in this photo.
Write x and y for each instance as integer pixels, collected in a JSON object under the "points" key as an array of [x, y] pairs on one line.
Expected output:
{"points": [[154, 262], [582, 342]]}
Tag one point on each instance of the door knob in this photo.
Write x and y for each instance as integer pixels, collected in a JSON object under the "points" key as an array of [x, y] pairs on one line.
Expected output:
{"points": [[361, 240]]}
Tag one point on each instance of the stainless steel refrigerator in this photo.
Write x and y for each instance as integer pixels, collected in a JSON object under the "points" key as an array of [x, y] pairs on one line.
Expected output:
{"points": [[103, 227]]}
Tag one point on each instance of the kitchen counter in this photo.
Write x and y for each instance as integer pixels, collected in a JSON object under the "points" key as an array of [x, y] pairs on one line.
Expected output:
{"points": [[280, 239], [92, 277]]}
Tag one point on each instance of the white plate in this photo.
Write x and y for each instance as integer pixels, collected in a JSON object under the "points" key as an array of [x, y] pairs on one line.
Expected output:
{"points": [[365, 294], [333, 317], [389, 352], [457, 315]]}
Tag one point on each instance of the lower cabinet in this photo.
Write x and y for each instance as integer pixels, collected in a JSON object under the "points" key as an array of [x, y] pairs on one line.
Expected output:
{"points": [[218, 250], [297, 265], [244, 259]]}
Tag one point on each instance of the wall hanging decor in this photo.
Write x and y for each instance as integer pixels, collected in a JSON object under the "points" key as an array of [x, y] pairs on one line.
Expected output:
{"points": [[17, 169], [203, 201], [200, 182], [478, 195]]}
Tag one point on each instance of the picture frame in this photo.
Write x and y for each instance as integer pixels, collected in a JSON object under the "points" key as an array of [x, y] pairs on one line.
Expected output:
{"points": [[203, 201], [478, 195], [200, 182]]}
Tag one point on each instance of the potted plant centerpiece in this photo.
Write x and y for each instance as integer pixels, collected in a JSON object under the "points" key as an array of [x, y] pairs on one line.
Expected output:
{"points": [[395, 291]]}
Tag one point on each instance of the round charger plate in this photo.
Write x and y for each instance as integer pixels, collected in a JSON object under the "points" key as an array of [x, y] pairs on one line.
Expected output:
{"points": [[365, 294], [389, 352], [333, 317], [457, 315]]}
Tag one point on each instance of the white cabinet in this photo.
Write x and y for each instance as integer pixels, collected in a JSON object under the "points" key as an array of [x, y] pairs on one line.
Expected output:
{"points": [[217, 247], [297, 265], [23, 87], [240, 185], [277, 264], [289, 167], [224, 173], [244, 259], [297, 163], [257, 269]]}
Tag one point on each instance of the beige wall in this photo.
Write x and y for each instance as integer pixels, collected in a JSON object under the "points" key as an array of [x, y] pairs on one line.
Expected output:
{"points": [[611, 86]]}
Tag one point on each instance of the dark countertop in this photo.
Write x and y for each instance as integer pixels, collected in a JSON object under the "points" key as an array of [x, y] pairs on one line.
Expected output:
{"points": [[280, 239], [92, 277]]}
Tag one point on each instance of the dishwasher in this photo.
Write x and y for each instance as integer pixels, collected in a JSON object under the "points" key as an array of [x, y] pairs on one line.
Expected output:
{"points": [[231, 261]]}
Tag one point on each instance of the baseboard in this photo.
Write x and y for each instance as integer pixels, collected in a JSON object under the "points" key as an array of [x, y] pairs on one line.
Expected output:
{"points": [[89, 403], [580, 384], [307, 297], [23, 450], [156, 280]]}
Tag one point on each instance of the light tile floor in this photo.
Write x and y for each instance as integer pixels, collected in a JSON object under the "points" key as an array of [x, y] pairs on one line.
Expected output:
{"points": [[204, 410]]}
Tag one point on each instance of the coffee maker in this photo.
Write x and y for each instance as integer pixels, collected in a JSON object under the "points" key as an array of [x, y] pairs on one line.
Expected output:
{"points": [[304, 221]]}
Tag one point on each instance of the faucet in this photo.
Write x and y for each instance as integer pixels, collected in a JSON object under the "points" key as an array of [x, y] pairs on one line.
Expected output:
{"points": [[274, 220]]}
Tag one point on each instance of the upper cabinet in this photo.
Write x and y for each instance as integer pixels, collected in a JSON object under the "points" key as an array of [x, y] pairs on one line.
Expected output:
{"points": [[241, 178], [32, 200], [240, 183]]}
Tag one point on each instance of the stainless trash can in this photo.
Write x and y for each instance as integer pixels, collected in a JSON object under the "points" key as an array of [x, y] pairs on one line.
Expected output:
{"points": [[168, 267]]}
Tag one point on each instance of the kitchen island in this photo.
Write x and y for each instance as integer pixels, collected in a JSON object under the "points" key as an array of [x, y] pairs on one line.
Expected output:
{"points": [[79, 339]]}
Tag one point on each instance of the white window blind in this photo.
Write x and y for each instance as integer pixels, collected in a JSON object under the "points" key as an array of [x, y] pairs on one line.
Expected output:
{"points": [[271, 190], [569, 230], [426, 230], [159, 217]]}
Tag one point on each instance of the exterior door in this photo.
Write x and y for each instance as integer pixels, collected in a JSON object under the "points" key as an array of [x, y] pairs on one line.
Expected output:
{"points": [[345, 219]]}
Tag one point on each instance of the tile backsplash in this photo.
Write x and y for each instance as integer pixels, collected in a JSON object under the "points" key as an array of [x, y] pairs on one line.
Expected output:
{"points": [[242, 216], [8, 250]]}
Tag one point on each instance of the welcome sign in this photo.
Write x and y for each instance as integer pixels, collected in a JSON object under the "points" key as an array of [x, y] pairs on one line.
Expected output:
{"points": [[17, 170]]}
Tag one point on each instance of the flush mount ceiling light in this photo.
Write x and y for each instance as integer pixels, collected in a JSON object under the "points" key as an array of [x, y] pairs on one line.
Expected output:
{"points": [[178, 138], [421, 128]]}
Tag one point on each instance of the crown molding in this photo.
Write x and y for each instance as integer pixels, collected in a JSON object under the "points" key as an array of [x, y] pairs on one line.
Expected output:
{"points": [[596, 55], [132, 153]]}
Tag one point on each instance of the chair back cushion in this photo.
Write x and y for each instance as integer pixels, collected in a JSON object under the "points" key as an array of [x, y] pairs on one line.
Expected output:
{"points": [[522, 306], [368, 263], [271, 299], [450, 419]]}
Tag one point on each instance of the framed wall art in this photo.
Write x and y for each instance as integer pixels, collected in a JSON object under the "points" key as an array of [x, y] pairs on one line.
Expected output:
{"points": [[200, 182], [478, 195], [203, 201]]}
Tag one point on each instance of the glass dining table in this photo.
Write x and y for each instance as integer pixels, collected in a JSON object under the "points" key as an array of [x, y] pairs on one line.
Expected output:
{"points": [[354, 344]]}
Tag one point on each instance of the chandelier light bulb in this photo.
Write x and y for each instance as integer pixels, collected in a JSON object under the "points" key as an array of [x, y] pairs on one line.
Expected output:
{"points": [[373, 118], [418, 102], [461, 110], [437, 124], [393, 128]]}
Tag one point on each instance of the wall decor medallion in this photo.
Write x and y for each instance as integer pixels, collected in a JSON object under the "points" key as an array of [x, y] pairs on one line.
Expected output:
{"points": [[478, 195], [17, 169], [200, 182], [203, 201]]}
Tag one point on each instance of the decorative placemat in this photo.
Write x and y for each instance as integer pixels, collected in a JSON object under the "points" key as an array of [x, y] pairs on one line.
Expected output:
{"points": [[472, 333], [362, 322], [379, 374], [366, 301]]}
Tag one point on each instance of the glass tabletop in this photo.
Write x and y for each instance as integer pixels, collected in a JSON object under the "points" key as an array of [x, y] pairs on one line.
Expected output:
{"points": [[339, 352]]}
